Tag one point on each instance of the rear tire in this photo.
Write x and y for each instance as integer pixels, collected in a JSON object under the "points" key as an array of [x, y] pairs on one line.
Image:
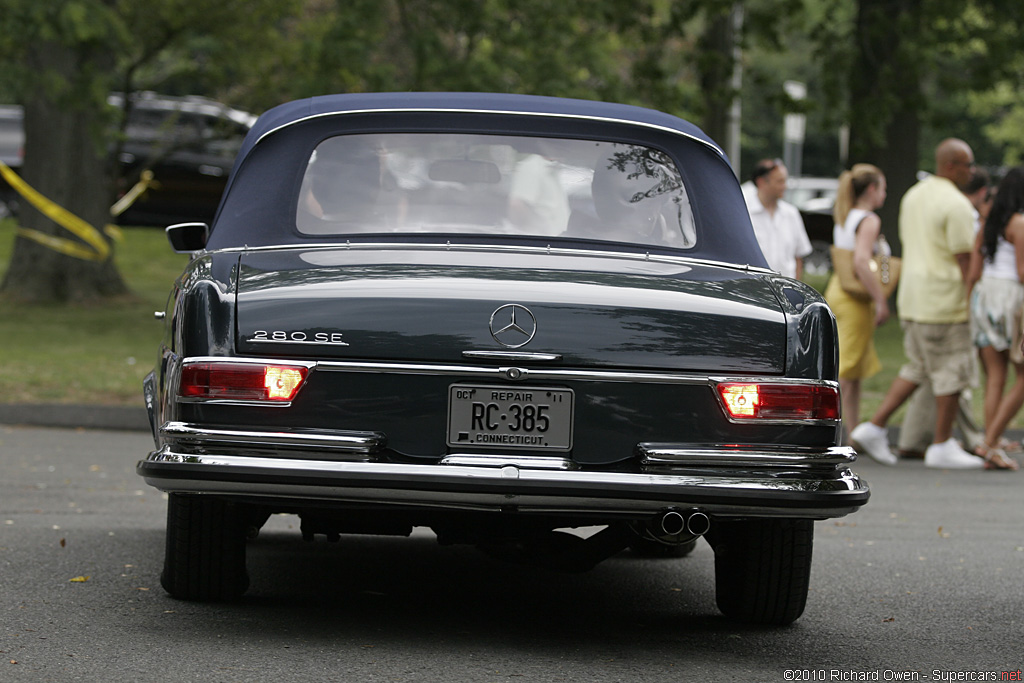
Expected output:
{"points": [[205, 554], [763, 569]]}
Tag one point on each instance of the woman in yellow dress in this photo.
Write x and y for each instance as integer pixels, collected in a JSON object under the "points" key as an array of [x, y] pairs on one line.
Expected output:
{"points": [[858, 228]]}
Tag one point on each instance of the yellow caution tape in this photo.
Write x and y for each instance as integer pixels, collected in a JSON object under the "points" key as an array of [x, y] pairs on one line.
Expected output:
{"points": [[62, 245], [122, 204], [113, 232], [98, 250], [95, 247]]}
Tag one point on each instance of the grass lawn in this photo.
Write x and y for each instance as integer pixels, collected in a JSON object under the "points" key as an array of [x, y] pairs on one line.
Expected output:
{"points": [[100, 354], [95, 354]]}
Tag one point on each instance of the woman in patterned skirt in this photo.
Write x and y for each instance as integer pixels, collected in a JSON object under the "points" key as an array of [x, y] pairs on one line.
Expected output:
{"points": [[996, 304]]}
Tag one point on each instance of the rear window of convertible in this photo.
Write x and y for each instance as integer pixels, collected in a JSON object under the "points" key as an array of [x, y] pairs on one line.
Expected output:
{"points": [[493, 184]]}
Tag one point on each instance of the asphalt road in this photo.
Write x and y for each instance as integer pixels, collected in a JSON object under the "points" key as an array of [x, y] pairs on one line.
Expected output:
{"points": [[926, 581]]}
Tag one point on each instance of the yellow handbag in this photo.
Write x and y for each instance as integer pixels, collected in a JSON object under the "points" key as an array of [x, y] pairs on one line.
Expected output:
{"points": [[884, 267]]}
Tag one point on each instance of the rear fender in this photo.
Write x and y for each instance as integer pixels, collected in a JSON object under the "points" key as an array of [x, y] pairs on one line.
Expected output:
{"points": [[206, 307], [812, 343]]}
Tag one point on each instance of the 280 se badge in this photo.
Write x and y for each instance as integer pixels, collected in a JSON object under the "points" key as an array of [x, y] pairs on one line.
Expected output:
{"points": [[285, 337], [555, 316]]}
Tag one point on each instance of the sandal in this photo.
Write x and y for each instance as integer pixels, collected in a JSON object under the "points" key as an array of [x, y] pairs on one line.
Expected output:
{"points": [[1010, 446], [996, 458]]}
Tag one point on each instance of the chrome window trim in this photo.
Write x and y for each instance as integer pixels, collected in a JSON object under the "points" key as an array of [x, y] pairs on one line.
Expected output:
{"points": [[448, 246], [499, 112]]}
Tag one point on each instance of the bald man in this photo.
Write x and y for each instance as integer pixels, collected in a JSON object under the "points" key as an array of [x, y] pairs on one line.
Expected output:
{"points": [[936, 227]]}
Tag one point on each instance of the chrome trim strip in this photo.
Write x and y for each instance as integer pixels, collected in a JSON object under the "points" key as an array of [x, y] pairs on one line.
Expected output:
{"points": [[384, 367], [233, 402], [683, 455], [501, 112], [755, 379], [192, 360], [725, 493], [491, 460], [536, 374], [350, 442], [548, 250], [512, 355]]}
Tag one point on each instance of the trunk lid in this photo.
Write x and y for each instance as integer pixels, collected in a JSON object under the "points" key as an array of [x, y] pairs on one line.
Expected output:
{"points": [[590, 310]]}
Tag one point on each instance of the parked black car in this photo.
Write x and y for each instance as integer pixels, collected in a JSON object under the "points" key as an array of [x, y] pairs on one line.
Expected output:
{"points": [[499, 317], [189, 143]]}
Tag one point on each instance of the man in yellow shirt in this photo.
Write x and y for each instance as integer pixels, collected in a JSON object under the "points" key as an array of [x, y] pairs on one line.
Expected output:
{"points": [[936, 227], [919, 416]]}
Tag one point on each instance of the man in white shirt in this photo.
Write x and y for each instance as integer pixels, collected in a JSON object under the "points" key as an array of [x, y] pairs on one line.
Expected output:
{"points": [[538, 204], [777, 223]]}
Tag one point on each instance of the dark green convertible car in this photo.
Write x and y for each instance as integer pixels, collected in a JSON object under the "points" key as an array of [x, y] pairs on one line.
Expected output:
{"points": [[502, 318]]}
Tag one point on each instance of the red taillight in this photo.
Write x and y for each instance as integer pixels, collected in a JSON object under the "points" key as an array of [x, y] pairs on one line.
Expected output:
{"points": [[765, 401], [241, 381]]}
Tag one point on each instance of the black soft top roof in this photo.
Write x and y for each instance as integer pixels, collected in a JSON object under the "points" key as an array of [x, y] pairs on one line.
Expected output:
{"points": [[258, 207]]}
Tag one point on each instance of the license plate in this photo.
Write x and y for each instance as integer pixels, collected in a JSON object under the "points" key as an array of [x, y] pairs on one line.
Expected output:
{"points": [[522, 418]]}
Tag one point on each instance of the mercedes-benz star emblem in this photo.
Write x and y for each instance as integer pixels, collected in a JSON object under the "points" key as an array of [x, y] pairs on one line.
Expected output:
{"points": [[513, 325]]}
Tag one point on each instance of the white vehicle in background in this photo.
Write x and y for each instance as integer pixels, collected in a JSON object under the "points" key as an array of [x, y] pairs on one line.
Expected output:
{"points": [[812, 194]]}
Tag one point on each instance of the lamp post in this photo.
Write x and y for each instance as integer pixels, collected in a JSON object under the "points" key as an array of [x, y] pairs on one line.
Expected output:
{"points": [[793, 130]]}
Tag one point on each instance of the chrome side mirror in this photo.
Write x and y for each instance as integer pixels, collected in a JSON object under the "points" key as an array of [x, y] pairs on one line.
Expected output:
{"points": [[188, 237]]}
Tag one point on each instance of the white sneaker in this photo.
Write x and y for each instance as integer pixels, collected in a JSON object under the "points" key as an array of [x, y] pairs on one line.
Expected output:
{"points": [[867, 437], [949, 455]]}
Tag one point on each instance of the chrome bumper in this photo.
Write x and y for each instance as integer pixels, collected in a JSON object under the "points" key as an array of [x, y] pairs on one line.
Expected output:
{"points": [[348, 467]]}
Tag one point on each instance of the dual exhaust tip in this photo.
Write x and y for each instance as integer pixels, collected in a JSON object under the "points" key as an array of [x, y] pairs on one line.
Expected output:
{"points": [[675, 526]]}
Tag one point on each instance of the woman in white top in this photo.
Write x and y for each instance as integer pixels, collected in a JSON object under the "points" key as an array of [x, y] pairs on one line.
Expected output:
{"points": [[996, 303], [861, 192]]}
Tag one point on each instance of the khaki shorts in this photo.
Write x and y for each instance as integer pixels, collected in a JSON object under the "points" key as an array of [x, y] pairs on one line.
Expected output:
{"points": [[918, 427], [940, 353]]}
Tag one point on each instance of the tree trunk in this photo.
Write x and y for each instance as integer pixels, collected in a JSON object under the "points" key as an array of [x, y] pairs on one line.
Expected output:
{"points": [[715, 64], [898, 160], [885, 98], [66, 160]]}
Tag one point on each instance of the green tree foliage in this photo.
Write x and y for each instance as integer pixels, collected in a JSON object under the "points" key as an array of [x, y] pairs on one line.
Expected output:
{"points": [[906, 68], [1002, 112], [902, 73], [60, 60], [674, 55], [536, 46]]}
